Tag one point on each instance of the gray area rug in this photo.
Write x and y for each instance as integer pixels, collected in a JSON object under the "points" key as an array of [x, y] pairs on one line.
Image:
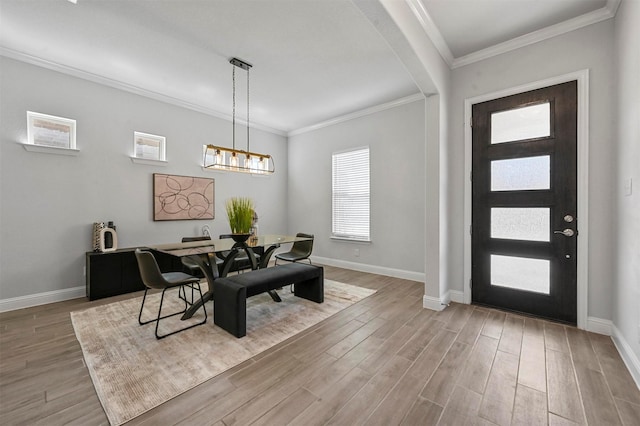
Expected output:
{"points": [[134, 372]]}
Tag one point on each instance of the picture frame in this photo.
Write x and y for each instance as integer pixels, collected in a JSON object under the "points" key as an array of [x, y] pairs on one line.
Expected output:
{"points": [[51, 131], [183, 197]]}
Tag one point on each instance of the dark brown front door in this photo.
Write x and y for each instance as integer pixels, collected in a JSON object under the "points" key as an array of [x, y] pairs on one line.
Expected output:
{"points": [[524, 202]]}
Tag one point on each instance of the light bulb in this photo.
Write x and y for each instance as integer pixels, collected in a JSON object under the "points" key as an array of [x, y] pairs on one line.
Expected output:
{"points": [[219, 159], [234, 160]]}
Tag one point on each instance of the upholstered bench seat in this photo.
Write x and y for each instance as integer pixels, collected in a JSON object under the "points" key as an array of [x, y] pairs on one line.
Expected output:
{"points": [[230, 293]]}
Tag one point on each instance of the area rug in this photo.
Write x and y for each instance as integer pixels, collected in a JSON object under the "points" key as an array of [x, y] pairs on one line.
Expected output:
{"points": [[134, 372]]}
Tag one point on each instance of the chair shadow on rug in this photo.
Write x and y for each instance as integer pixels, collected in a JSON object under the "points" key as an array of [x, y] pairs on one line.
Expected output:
{"points": [[153, 278]]}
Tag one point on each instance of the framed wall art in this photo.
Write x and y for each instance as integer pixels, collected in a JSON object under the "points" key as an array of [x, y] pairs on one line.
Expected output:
{"points": [[182, 197]]}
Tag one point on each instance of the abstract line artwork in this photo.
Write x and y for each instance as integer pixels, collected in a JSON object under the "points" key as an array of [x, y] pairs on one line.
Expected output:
{"points": [[182, 197]]}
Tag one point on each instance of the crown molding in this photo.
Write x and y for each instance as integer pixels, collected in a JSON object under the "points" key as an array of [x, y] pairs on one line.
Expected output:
{"points": [[120, 85], [602, 14], [432, 30], [607, 12], [358, 114]]}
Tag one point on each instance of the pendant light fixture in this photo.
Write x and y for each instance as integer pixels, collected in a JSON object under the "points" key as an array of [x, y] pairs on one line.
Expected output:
{"points": [[232, 159]]}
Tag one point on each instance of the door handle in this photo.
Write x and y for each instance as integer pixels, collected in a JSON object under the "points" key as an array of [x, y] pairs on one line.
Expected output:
{"points": [[566, 232]]}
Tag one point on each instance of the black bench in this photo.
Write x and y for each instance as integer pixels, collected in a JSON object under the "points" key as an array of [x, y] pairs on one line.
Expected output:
{"points": [[230, 293]]}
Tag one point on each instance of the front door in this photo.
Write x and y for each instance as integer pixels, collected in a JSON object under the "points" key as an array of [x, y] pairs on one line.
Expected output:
{"points": [[524, 202]]}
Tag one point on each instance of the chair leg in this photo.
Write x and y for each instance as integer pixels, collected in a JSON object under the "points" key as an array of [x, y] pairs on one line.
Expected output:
{"points": [[182, 294], [158, 336], [142, 307]]}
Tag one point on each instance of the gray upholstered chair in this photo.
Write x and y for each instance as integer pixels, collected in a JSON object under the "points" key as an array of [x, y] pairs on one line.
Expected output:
{"points": [[301, 250], [153, 278]]}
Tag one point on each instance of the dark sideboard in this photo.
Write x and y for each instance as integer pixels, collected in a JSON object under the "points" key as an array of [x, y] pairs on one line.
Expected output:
{"points": [[116, 272]]}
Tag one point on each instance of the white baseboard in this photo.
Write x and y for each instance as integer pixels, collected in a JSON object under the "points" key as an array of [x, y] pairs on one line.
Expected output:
{"points": [[628, 356], [41, 298], [599, 325], [456, 296], [380, 270], [433, 303]]}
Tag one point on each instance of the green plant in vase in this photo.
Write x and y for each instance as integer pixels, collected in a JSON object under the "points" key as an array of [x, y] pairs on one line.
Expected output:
{"points": [[240, 215]]}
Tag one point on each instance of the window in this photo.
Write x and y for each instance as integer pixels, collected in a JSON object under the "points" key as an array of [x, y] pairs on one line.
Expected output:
{"points": [[50, 131], [350, 195], [149, 147]]}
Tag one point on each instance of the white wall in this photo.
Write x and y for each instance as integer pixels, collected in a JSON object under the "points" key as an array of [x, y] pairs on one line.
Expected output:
{"points": [[49, 202], [397, 151], [586, 48], [432, 75], [626, 298]]}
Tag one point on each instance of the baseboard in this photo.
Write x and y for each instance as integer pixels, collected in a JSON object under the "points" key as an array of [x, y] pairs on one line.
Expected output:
{"points": [[456, 296], [599, 325], [22, 302], [628, 356], [433, 303], [389, 272]]}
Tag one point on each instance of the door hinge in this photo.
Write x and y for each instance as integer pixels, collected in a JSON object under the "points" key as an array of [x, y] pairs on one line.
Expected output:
{"points": [[470, 229]]}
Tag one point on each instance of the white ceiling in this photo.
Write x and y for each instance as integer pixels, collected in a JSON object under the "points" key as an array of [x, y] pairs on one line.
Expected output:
{"points": [[313, 60], [472, 25]]}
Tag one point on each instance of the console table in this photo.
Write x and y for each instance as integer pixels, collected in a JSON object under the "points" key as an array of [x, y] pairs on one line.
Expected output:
{"points": [[116, 272]]}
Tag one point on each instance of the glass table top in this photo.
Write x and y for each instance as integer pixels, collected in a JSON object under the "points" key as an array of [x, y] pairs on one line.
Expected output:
{"points": [[220, 245]]}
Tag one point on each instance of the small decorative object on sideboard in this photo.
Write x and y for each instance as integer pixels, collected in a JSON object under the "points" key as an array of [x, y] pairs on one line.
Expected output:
{"points": [[105, 238], [240, 215], [97, 227]]}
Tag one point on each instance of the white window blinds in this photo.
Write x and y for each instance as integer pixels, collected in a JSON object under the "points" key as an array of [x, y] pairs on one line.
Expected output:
{"points": [[350, 195]]}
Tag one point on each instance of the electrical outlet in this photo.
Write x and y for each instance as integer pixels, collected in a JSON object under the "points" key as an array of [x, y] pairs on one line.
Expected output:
{"points": [[356, 252], [84, 271]]}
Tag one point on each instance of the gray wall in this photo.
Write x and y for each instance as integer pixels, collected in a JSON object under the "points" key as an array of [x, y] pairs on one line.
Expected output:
{"points": [[626, 298], [49, 202], [588, 48], [396, 138]]}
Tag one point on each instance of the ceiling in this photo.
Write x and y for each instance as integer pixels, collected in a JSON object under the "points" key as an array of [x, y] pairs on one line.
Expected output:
{"points": [[313, 60]]}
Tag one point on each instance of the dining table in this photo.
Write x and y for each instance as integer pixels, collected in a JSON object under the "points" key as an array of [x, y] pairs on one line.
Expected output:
{"points": [[205, 254]]}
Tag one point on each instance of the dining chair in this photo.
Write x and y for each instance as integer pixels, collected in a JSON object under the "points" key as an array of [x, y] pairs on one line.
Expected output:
{"points": [[153, 278], [300, 250]]}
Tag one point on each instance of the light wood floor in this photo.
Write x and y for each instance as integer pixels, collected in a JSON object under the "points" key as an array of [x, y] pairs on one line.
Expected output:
{"points": [[383, 361]]}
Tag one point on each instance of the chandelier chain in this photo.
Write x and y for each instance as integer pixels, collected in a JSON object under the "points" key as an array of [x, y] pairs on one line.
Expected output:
{"points": [[233, 121]]}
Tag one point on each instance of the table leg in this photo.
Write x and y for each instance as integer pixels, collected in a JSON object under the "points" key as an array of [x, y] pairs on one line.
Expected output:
{"points": [[210, 271]]}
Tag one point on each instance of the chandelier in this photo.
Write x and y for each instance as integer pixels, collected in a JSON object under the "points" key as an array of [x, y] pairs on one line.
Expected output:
{"points": [[232, 159]]}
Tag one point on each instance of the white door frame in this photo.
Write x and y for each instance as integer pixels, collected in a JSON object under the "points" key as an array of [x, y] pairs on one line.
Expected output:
{"points": [[582, 78]]}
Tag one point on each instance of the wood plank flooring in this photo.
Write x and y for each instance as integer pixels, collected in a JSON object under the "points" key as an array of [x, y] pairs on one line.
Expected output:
{"points": [[383, 361]]}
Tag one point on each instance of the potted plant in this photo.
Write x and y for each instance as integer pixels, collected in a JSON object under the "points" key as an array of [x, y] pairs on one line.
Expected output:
{"points": [[240, 215]]}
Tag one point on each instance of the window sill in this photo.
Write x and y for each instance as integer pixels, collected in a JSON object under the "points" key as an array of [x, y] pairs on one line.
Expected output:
{"points": [[349, 240], [51, 150], [148, 162]]}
